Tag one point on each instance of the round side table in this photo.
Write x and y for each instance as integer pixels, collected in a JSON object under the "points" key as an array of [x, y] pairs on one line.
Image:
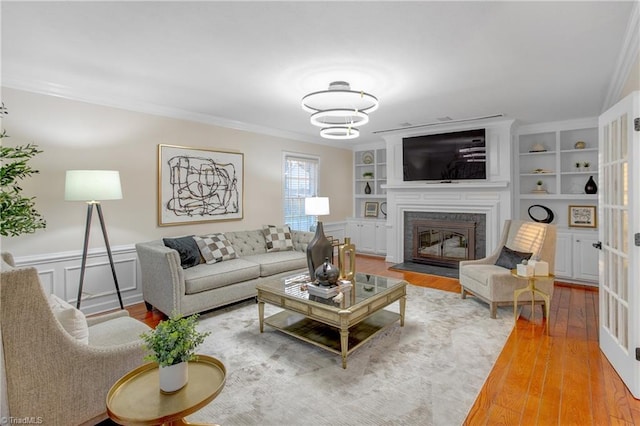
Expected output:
{"points": [[531, 286], [136, 399]]}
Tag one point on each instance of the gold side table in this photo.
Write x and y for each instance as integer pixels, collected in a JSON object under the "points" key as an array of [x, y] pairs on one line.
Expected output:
{"points": [[531, 286], [136, 399]]}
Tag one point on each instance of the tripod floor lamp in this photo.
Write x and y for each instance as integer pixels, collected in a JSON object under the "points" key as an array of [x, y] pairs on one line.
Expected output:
{"points": [[93, 186]]}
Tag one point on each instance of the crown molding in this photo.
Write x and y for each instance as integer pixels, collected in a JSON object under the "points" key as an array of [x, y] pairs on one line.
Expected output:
{"points": [[629, 53], [52, 89]]}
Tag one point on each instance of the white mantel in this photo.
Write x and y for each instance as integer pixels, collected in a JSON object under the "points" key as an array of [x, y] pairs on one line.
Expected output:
{"points": [[492, 197]]}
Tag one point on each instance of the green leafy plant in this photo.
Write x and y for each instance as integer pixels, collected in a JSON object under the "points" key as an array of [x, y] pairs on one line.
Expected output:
{"points": [[367, 175], [174, 340], [18, 214], [586, 164], [539, 183]]}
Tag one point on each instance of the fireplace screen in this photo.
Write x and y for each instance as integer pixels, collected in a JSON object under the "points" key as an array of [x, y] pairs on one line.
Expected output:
{"points": [[443, 243]]}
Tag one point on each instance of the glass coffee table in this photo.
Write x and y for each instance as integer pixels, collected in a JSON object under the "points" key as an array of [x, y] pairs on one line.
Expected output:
{"points": [[339, 327]]}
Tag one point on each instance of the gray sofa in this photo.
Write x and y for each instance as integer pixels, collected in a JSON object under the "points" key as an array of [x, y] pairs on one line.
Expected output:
{"points": [[170, 288]]}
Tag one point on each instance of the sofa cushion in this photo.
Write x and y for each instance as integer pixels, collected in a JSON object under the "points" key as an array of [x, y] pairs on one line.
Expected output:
{"points": [[215, 248], [209, 276], [277, 238], [510, 258], [277, 262], [70, 318], [187, 248]]}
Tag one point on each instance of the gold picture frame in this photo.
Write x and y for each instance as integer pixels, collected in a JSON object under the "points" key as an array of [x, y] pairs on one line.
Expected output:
{"points": [[583, 216], [371, 209], [199, 185]]}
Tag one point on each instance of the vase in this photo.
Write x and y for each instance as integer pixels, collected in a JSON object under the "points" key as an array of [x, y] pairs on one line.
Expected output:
{"points": [[327, 274], [174, 377], [318, 249], [591, 187], [367, 189]]}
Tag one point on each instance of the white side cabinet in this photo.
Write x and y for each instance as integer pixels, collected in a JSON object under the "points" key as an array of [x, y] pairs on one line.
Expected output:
{"points": [[369, 235], [576, 258]]}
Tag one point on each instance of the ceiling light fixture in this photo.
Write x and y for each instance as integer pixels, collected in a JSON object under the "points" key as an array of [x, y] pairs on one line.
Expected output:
{"points": [[339, 110]]}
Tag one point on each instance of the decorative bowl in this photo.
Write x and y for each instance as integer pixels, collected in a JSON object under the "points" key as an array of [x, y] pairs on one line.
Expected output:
{"points": [[580, 145]]}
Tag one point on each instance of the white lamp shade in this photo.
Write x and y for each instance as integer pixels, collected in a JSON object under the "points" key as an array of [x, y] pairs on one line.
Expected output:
{"points": [[316, 206], [92, 185]]}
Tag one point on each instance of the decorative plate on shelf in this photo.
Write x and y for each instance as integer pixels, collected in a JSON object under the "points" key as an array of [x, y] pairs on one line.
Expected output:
{"points": [[367, 157]]}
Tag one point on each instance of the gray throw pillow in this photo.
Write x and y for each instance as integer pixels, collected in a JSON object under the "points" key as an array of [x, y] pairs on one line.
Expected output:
{"points": [[511, 258], [186, 248]]}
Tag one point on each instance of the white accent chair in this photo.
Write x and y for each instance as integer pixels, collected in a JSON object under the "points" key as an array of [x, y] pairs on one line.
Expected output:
{"points": [[48, 372], [494, 284]]}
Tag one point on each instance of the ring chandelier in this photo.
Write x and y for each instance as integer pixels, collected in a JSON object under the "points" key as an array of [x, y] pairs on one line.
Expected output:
{"points": [[339, 110]]}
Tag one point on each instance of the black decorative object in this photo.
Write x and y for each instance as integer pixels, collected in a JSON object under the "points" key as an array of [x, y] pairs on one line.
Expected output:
{"points": [[591, 187], [367, 189], [318, 249], [327, 274], [548, 219], [383, 208]]}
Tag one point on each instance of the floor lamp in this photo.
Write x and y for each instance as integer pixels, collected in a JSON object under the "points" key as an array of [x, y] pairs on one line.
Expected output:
{"points": [[319, 248], [93, 186]]}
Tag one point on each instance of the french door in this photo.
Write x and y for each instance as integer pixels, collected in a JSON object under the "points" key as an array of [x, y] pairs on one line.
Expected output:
{"points": [[619, 232]]}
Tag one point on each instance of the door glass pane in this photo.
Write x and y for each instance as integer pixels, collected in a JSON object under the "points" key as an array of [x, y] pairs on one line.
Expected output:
{"points": [[622, 336], [605, 317], [614, 316], [614, 274], [623, 137], [614, 140], [605, 140], [624, 283], [624, 224], [614, 230], [625, 183]]}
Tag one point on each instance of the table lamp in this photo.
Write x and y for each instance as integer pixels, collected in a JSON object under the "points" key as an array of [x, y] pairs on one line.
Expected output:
{"points": [[319, 247], [93, 186]]}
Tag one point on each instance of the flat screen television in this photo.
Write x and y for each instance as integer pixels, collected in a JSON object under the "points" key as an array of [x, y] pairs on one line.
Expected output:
{"points": [[445, 157]]}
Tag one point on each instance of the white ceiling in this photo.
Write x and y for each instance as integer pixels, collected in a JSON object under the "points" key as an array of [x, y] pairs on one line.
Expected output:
{"points": [[248, 64]]}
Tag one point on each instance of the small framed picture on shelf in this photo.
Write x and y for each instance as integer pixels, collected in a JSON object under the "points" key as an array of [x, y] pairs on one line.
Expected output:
{"points": [[371, 209], [583, 216]]}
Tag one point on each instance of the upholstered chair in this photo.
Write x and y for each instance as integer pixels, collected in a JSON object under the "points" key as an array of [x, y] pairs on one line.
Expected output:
{"points": [[494, 284], [52, 376]]}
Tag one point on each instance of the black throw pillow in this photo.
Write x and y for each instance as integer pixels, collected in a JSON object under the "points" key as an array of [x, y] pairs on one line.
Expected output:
{"points": [[187, 248], [510, 258]]}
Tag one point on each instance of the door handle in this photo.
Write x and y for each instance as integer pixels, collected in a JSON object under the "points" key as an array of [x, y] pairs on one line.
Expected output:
{"points": [[597, 245]]}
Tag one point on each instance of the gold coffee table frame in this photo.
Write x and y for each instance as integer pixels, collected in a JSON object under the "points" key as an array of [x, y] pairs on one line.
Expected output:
{"points": [[316, 322], [531, 286], [136, 399]]}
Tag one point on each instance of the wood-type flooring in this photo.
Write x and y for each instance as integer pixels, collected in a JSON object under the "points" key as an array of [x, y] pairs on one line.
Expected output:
{"points": [[557, 379]]}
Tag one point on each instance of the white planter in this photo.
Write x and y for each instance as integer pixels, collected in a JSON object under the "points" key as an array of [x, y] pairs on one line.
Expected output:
{"points": [[174, 377]]}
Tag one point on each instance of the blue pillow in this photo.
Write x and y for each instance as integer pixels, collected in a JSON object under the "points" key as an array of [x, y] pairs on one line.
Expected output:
{"points": [[187, 248], [511, 258]]}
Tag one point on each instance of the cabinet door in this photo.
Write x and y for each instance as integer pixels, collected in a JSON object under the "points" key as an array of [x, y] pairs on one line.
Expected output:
{"points": [[563, 266], [353, 232], [381, 238], [585, 258], [367, 237]]}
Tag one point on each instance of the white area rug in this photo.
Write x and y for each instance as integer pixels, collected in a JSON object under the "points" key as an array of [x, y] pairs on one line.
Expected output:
{"points": [[428, 372]]}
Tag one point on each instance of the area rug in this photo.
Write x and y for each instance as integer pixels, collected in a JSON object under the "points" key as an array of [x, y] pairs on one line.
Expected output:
{"points": [[428, 372], [441, 271]]}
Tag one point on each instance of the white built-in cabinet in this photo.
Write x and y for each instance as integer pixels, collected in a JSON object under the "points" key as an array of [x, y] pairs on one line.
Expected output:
{"points": [[562, 156], [368, 235], [370, 173]]}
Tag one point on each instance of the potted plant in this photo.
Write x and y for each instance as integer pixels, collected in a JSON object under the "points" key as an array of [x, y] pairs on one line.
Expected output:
{"points": [[367, 175], [586, 165], [539, 186], [18, 214], [577, 166], [172, 345]]}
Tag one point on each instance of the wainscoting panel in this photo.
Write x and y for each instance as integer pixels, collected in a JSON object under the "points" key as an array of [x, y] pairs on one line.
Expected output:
{"points": [[60, 275]]}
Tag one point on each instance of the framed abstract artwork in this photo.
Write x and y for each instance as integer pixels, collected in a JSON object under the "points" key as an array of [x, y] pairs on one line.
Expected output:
{"points": [[582, 216], [199, 185]]}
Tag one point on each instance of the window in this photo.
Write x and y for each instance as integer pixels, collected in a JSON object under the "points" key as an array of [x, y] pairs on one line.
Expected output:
{"points": [[300, 182]]}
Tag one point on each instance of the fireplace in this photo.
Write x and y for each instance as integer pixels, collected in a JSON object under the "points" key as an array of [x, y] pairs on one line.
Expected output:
{"points": [[443, 243], [443, 238]]}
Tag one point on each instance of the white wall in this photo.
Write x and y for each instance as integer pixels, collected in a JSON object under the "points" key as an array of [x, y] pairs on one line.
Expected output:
{"points": [[78, 135]]}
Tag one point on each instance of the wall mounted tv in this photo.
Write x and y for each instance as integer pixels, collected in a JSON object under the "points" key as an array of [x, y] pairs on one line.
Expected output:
{"points": [[445, 157]]}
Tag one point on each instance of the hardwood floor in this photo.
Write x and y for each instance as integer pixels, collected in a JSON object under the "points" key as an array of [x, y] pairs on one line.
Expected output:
{"points": [[538, 379]]}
